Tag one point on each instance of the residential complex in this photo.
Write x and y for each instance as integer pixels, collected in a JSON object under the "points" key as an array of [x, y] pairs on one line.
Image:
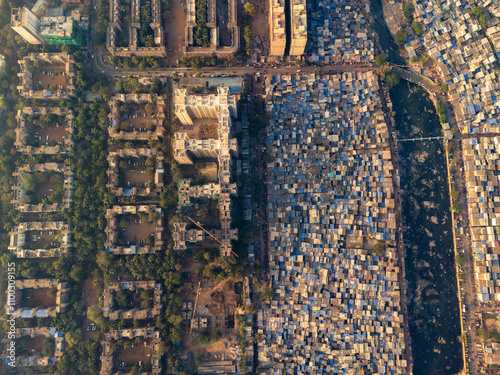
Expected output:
{"points": [[277, 27], [44, 130], [47, 76], [40, 239], [136, 117], [123, 36]]}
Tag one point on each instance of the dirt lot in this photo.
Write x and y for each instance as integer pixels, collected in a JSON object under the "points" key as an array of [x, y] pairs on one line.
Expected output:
{"points": [[38, 239], [136, 230], [174, 30], [492, 324], [133, 355], [260, 26], [37, 298], [202, 129], [49, 75], [90, 293], [208, 172], [138, 120], [135, 173], [30, 345]]}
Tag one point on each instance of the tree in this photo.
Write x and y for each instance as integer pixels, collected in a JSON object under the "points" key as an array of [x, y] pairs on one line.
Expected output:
{"points": [[247, 35], [161, 348], [414, 59], [204, 337], [408, 10], [65, 364], [400, 37], [444, 87], [380, 59], [121, 298], [417, 28], [454, 192], [73, 337], [7, 258], [459, 259], [392, 78], [248, 9], [268, 293], [379, 247]]}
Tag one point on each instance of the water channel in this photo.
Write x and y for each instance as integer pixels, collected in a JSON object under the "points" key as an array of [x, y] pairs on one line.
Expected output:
{"points": [[430, 272]]}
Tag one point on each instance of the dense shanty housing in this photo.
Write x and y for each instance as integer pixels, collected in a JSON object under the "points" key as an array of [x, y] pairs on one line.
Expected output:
{"points": [[340, 31], [466, 58], [24, 239], [481, 163], [34, 358], [136, 117], [52, 138], [191, 109], [331, 199], [111, 311], [47, 76]]}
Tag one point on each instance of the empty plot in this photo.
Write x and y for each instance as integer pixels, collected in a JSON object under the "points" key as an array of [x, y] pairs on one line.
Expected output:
{"points": [[40, 298], [135, 172], [129, 357], [202, 129], [36, 345], [135, 230]]}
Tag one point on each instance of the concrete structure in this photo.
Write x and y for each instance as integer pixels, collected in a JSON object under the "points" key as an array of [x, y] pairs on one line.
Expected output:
{"points": [[13, 305], [231, 23], [18, 241], [277, 27], [188, 192], [26, 24], [23, 131], [36, 359], [337, 305], [156, 184], [108, 349], [112, 228], [117, 25], [181, 236], [110, 311], [299, 27], [116, 116], [61, 30], [222, 106], [19, 190], [28, 87]]}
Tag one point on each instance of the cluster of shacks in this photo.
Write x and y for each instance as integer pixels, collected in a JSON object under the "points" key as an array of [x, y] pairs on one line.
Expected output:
{"points": [[331, 191], [466, 59]]}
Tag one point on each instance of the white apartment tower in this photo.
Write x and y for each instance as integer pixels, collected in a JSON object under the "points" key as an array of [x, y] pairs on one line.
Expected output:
{"points": [[26, 24]]}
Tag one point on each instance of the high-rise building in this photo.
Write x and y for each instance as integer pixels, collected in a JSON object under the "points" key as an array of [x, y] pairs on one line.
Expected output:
{"points": [[61, 30], [298, 26], [26, 24]]}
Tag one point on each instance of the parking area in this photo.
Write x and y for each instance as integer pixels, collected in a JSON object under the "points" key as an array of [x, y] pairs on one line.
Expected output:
{"points": [[135, 172], [135, 230], [49, 77]]}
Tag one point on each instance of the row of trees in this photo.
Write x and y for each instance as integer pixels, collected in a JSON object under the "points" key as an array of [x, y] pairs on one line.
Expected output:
{"points": [[201, 32]]}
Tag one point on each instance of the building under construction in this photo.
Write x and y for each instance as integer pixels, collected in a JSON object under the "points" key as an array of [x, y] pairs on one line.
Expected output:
{"points": [[192, 111]]}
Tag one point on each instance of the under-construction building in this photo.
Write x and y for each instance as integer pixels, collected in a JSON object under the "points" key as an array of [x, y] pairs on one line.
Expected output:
{"points": [[221, 106]]}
